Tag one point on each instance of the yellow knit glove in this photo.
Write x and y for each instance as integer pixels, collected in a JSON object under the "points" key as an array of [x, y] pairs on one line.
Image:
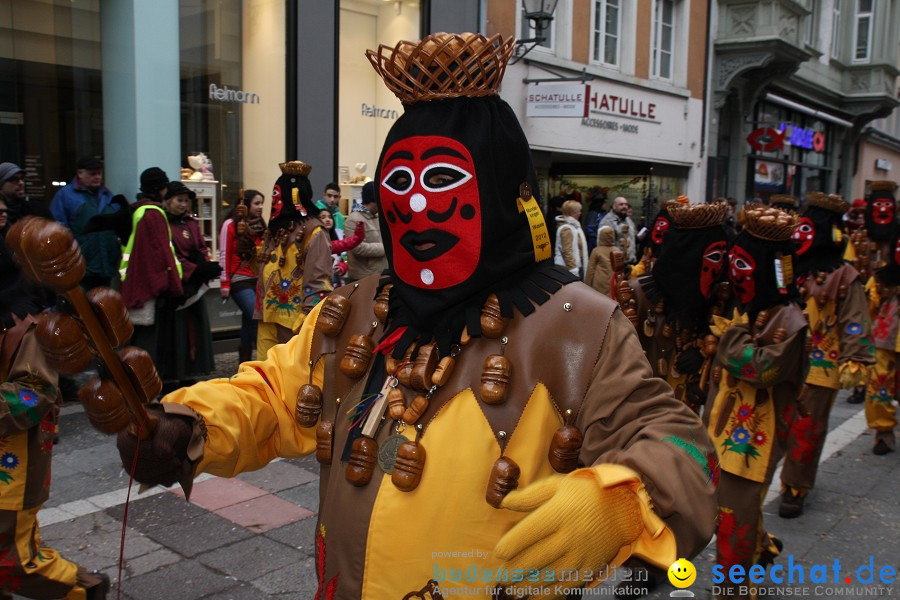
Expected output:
{"points": [[575, 524], [853, 374]]}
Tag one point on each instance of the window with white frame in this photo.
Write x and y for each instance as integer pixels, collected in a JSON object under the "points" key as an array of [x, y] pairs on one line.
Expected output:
{"points": [[528, 31], [862, 32], [836, 30], [606, 28], [663, 38], [813, 22]]}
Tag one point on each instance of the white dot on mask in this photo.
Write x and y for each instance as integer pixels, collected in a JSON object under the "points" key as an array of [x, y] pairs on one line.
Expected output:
{"points": [[418, 203], [427, 276]]}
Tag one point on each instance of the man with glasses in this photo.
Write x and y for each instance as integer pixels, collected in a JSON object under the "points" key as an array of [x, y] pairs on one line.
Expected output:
{"points": [[332, 198], [12, 191]]}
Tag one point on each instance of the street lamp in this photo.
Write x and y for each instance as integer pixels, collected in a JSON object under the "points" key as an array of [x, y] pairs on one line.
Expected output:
{"points": [[539, 14]]}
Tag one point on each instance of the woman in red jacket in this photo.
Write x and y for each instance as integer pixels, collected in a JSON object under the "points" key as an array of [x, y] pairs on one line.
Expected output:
{"points": [[240, 270]]}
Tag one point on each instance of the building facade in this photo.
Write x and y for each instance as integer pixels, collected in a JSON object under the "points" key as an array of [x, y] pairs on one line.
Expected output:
{"points": [[878, 155], [794, 85], [639, 67]]}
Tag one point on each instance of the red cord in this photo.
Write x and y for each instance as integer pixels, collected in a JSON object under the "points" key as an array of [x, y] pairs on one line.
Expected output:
{"points": [[125, 514]]}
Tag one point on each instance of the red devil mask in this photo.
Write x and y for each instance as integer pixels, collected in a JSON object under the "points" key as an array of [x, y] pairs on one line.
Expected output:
{"points": [[429, 196], [882, 211], [713, 263], [803, 235], [660, 226], [740, 274]]}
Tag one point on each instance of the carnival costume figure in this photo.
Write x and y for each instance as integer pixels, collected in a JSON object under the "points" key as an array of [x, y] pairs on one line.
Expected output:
{"points": [[661, 224], [675, 301], [295, 259], [881, 412], [759, 367], [839, 340], [476, 396]]}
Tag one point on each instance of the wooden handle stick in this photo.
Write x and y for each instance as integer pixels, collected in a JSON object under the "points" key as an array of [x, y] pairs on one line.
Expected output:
{"points": [[48, 254]]}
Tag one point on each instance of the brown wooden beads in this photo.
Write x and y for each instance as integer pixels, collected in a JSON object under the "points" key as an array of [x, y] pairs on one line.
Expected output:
{"points": [[309, 405], [382, 303], [504, 479], [492, 322], [361, 464], [443, 371], [564, 449], [62, 342], [396, 404], [104, 405], [415, 410], [423, 368], [333, 315], [113, 316], [357, 357], [408, 467], [495, 379], [142, 371], [324, 436]]}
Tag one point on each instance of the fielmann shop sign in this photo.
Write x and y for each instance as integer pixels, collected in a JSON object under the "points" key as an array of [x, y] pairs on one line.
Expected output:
{"points": [[601, 107]]}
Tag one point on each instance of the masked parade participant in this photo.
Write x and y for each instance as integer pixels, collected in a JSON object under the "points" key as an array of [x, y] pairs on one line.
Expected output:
{"points": [[675, 301], [296, 267], [881, 414], [759, 367], [476, 397], [29, 413], [840, 347], [661, 225]]}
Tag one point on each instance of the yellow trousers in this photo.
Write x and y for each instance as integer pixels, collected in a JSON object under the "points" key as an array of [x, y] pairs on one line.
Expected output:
{"points": [[881, 413]]}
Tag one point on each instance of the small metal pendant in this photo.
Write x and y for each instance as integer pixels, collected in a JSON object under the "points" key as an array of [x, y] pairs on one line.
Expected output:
{"points": [[387, 452]]}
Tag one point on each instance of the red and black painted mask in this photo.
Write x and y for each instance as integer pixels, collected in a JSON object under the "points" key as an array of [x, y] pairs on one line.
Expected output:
{"points": [[803, 236], [713, 264], [881, 223], [882, 211], [741, 269], [430, 199], [660, 226]]}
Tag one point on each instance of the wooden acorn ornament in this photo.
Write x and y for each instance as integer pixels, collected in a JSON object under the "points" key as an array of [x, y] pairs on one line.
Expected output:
{"points": [[104, 405], [779, 335], [495, 379], [333, 315], [717, 374], [396, 404], [423, 368], [309, 405], [62, 342], [142, 371], [415, 410], [410, 463], [358, 355], [112, 314], [361, 464], [492, 322], [443, 371], [382, 303], [324, 441], [710, 345], [565, 447]]}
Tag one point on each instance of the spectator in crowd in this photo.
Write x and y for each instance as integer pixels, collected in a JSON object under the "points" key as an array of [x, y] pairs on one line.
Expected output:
{"points": [[571, 248], [295, 274], [12, 190], [74, 205], [331, 202], [29, 413], [184, 328], [4, 217], [622, 224], [339, 247], [596, 212], [554, 206], [239, 242], [150, 270], [368, 258], [600, 269]]}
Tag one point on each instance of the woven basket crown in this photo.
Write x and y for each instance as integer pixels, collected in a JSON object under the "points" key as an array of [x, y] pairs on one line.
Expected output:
{"points": [[769, 223], [883, 186], [697, 216], [295, 167], [443, 65], [783, 200], [832, 202]]}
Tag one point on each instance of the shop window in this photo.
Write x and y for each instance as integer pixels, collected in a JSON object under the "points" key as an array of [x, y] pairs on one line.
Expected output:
{"points": [[607, 24], [663, 39], [862, 33]]}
